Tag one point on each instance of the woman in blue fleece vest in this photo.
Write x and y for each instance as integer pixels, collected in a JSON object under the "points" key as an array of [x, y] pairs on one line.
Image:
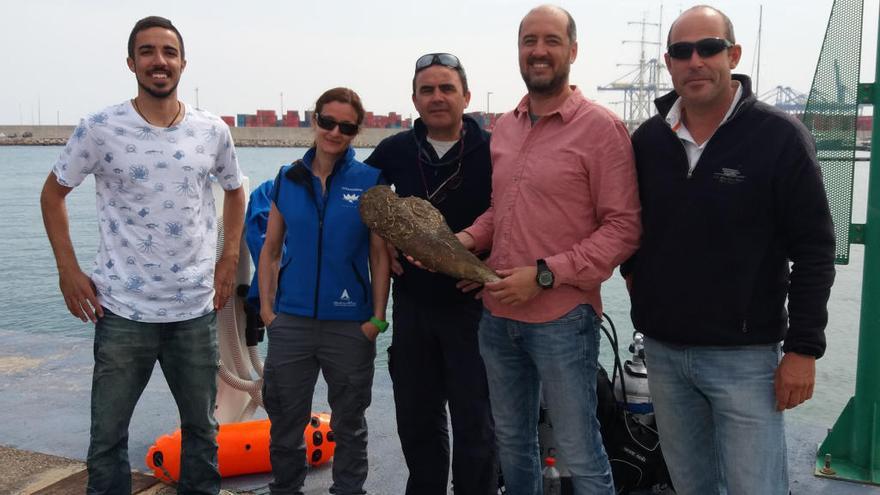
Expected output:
{"points": [[322, 307]]}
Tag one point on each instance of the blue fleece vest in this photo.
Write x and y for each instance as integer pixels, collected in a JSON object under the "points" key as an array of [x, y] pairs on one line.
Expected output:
{"points": [[324, 273]]}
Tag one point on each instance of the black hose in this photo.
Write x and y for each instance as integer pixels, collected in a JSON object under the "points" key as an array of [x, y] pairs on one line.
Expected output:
{"points": [[617, 366]]}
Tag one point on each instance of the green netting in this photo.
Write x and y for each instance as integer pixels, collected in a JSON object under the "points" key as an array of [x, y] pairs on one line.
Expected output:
{"points": [[832, 110]]}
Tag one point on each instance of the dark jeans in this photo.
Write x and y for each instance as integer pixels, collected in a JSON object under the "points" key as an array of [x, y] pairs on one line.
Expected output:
{"points": [[125, 353], [435, 360], [298, 348]]}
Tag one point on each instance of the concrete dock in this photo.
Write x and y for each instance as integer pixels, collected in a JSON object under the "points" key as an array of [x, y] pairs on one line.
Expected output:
{"points": [[32, 473]]}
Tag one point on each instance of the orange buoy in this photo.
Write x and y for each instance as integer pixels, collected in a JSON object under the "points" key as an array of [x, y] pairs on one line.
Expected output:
{"points": [[242, 448], [320, 444]]}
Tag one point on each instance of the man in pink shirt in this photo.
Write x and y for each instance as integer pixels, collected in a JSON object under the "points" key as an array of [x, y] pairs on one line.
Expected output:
{"points": [[564, 214]]}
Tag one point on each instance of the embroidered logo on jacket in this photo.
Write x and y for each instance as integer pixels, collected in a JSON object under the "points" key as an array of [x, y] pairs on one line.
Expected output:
{"points": [[729, 176], [351, 195], [344, 300]]}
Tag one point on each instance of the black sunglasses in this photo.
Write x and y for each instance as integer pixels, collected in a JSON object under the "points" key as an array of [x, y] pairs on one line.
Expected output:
{"points": [[444, 59], [328, 124], [705, 47], [451, 183]]}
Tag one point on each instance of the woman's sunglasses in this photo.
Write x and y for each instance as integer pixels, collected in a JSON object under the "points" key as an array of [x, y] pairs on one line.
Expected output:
{"points": [[328, 124], [705, 47]]}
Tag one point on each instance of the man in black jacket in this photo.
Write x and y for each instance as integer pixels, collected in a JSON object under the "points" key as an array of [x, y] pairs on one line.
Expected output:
{"points": [[434, 358], [731, 195]]}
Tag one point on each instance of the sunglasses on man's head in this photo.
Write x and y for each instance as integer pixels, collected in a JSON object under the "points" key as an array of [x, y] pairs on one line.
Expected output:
{"points": [[705, 47], [444, 59], [328, 124]]}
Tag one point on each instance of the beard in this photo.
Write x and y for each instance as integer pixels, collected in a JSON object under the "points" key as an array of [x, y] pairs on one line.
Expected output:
{"points": [[158, 93], [547, 87]]}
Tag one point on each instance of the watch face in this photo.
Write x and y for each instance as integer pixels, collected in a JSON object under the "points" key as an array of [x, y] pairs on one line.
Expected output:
{"points": [[545, 279]]}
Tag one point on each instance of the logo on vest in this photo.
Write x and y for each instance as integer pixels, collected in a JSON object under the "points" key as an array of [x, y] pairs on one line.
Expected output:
{"points": [[351, 195], [344, 300]]}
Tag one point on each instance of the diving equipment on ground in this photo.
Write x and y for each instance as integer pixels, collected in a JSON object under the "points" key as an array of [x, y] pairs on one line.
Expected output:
{"points": [[626, 418]]}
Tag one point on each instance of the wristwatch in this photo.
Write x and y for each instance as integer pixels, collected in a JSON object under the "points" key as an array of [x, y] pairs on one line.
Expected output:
{"points": [[382, 325], [545, 276]]}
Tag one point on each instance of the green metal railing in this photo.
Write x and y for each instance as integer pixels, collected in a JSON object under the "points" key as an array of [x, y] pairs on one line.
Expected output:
{"points": [[832, 113], [851, 451]]}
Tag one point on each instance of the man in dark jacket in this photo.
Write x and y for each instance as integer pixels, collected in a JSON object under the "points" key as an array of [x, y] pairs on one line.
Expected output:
{"points": [[434, 357], [731, 195]]}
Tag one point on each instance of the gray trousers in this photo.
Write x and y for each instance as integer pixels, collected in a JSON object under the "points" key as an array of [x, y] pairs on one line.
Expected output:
{"points": [[298, 348]]}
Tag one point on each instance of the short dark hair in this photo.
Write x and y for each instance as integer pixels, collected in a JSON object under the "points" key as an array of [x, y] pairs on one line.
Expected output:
{"points": [[151, 22], [570, 29], [458, 70], [342, 95], [728, 25]]}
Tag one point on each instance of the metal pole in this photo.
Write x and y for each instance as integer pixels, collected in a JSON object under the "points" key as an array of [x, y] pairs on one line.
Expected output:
{"points": [[851, 451], [657, 75], [758, 58]]}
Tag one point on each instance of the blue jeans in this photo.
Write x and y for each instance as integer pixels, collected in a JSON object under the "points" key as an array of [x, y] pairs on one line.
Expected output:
{"points": [[560, 359], [125, 353], [716, 412]]}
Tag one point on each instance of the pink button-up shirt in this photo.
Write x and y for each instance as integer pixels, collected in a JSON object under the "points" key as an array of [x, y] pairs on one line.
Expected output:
{"points": [[563, 190]]}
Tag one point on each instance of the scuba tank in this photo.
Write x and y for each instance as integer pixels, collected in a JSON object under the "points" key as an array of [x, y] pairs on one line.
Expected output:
{"points": [[635, 377], [633, 443]]}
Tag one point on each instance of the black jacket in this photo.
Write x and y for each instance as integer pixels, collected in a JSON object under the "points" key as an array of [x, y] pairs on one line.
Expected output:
{"points": [[410, 163], [713, 266]]}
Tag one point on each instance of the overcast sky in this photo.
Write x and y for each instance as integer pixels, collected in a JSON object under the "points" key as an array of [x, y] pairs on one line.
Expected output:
{"points": [[67, 58]]}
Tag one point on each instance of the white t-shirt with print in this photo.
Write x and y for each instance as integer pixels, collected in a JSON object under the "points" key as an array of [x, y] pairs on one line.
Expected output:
{"points": [[156, 217]]}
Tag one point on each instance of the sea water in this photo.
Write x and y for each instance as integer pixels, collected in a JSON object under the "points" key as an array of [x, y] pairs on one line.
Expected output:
{"points": [[31, 306]]}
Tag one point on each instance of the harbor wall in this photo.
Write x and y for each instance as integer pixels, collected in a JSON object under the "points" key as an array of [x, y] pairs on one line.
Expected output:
{"points": [[53, 135], [301, 137], [284, 137]]}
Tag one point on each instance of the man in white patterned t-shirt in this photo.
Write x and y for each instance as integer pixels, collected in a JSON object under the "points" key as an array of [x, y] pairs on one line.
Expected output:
{"points": [[156, 283]]}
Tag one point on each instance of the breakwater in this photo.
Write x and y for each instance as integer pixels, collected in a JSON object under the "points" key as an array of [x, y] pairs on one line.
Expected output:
{"points": [[284, 137]]}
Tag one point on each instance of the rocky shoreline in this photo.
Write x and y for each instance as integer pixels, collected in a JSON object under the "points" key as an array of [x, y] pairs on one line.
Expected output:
{"points": [[244, 137], [17, 141], [240, 143]]}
